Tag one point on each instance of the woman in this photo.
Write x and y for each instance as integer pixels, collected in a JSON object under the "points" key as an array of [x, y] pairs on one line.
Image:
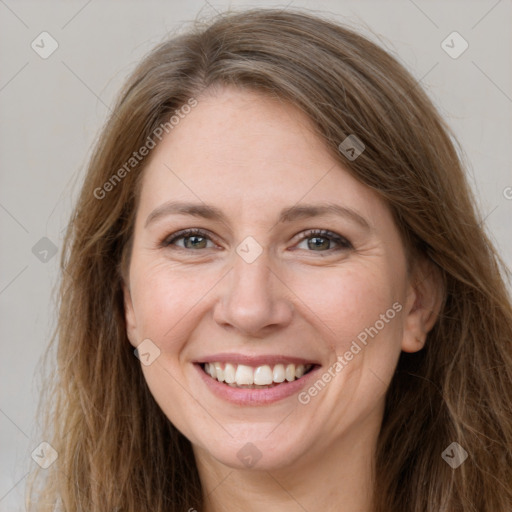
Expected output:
{"points": [[276, 223]]}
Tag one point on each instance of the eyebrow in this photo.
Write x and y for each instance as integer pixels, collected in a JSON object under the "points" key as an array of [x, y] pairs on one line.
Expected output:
{"points": [[289, 214]]}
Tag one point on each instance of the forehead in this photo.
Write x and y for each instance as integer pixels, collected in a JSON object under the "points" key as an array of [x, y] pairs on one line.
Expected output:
{"points": [[239, 129], [248, 151]]}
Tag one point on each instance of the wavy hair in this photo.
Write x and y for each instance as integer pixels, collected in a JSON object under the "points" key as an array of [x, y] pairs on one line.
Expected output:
{"points": [[117, 450]]}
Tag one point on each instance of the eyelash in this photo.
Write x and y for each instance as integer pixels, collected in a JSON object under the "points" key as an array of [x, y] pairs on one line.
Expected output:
{"points": [[342, 242]]}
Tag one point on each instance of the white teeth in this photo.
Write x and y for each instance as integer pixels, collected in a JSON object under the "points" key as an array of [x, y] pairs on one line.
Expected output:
{"points": [[229, 373], [279, 374], [299, 371], [290, 372], [244, 375], [265, 375], [219, 372]]}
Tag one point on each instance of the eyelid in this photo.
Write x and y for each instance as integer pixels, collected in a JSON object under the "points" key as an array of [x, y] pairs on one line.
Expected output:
{"points": [[183, 233], [343, 242]]}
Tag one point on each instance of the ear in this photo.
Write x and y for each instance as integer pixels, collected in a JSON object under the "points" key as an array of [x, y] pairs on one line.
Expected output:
{"points": [[129, 315], [424, 301]]}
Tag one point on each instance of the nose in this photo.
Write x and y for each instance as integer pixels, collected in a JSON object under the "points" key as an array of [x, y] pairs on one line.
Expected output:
{"points": [[253, 300]]}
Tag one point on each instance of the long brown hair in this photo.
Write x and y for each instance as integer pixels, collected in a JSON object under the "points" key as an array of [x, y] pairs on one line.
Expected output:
{"points": [[117, 450]]}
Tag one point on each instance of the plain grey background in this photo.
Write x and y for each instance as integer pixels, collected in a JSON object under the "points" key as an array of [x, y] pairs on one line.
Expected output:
{"points": [[52, 109]]}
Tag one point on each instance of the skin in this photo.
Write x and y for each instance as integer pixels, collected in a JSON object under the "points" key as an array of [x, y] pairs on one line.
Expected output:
{"points": [[251, 156]]}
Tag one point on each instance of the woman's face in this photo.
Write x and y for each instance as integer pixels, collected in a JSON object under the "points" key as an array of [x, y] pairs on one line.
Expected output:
{"points": [[297, 267]]}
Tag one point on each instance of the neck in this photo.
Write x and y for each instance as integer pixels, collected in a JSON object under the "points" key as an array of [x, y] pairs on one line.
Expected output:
{"points": [[334, 479]]}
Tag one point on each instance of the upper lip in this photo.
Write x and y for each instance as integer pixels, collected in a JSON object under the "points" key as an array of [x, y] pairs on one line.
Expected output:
{"points": [[254, 360]]}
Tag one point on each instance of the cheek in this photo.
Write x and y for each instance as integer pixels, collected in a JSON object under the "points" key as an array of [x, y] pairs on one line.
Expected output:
{"points": [[165, 298], [356, 310], [166, 382], [346, 301], [167, 302]]}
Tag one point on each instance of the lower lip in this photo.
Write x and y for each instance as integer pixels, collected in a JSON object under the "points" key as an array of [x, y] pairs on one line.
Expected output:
{"points": [[246, 396]]}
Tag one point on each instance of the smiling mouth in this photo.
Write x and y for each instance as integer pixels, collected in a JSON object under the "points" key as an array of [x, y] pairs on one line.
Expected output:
{"points": [[261, 377]]}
